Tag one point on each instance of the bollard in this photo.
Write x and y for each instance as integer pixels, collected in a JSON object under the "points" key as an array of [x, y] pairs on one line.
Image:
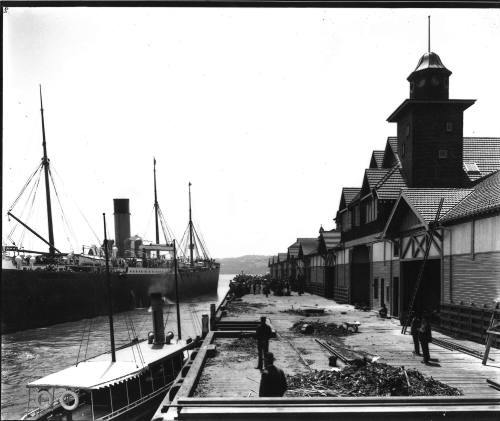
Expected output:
{"points": [[212, 316], [204, 326]]}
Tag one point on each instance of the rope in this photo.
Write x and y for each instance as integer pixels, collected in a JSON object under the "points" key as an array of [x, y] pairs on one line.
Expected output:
{"points": [[65, 223], [78, 208], [149, 221], [130, 340], [139, 352], [33, 192], [88, 339], [38, 168], [81, 342]]}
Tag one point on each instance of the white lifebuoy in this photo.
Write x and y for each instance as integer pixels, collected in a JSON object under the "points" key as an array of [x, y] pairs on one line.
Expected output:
{"points": [[69, 394], [44, 398]]}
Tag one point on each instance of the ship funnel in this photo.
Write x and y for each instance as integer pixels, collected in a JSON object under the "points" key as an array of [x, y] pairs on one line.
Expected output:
{"points": [[157, 310], [122, 224]]}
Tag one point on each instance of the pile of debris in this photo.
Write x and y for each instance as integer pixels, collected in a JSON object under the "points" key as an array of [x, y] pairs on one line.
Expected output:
{"points": [[324, 328], [372, 379], [240, 307]]}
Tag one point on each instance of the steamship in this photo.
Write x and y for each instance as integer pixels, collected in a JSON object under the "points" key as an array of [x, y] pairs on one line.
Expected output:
{"points": [[43, 288]]}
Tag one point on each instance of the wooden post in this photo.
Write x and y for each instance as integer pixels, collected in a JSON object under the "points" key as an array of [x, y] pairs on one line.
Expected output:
{"points": [[212, 317], [491, 336]]}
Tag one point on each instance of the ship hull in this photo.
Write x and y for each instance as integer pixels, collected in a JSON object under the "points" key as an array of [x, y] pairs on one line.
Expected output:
{"points": [[32, 298]]}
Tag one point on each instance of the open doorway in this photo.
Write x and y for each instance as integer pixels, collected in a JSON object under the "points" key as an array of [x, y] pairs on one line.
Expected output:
{"points": [[428, 298]]}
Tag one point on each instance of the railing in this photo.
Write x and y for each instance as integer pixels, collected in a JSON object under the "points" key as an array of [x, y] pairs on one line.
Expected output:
{"points": [[467, 322], [134, 404]]}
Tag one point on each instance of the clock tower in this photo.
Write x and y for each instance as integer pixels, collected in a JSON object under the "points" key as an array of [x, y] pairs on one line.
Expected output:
{"points": [[430, 127]]}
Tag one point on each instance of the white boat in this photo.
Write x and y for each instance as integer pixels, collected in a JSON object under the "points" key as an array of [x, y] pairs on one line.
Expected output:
{"points": [[131, 388]]}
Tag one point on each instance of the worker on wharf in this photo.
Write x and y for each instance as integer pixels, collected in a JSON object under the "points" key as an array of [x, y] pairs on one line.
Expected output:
{"points": [[425, 336], [414, 326], [263, 333], [273, 380]]}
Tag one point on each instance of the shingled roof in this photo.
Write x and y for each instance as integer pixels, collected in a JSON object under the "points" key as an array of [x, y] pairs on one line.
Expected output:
{"points": [[483, 199], [293, 250], [377, 159], [386, 182], [348, 195], [329, 239], [426, 201], [308, 246], [482, 151], [391, 156]]}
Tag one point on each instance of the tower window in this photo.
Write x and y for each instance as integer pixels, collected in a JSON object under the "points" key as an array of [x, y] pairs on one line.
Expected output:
{"points": [[449, 126], [407, 130], [403, 147], [443, 154]]}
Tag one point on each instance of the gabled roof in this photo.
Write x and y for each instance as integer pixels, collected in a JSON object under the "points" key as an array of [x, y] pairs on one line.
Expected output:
{"points": [[376, 159], [484, 198], [328, 240], [308, 246], [391, 156], [386, 182], [282, 257], [424, 203], [390, 186], [347, 196], [293, 250], [482, 151]]}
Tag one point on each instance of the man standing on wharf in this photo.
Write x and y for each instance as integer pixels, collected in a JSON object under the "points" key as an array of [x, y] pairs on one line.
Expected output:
{"points": [[273, 380], [263, 333]]}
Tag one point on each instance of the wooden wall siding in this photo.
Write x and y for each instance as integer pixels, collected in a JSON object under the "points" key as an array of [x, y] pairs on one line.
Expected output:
{"points": [[382, 251], [341, 284], [486, 234], [343, 256], [317, 261], [457, 239], [413, 246], [470, 278], [381, 271], [466, 321], [317, 281]]}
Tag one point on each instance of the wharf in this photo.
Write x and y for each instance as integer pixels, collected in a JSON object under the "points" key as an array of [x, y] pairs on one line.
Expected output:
{"points": [[227, 385]]}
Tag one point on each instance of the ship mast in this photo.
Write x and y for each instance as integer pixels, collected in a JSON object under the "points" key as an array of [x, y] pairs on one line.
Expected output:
{"points": [[156, 207], [190, 230], [110, 303], [45, 162]]}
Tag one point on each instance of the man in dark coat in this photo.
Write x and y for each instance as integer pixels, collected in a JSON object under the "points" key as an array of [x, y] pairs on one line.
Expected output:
{"points": [[263, 333], [425, 336], [415, 325], [273, 380]]}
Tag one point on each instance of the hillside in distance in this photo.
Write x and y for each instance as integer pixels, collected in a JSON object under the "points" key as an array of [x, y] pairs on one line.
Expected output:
{"points": [[250, 264]]}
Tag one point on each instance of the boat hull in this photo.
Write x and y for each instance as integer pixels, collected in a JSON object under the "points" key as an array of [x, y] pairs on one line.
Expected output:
{"points": [[38, 298]]}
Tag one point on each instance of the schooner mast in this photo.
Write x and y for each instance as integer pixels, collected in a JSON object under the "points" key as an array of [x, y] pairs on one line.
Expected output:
{"points": [[45, 163], [191, 246], [156, 207]]}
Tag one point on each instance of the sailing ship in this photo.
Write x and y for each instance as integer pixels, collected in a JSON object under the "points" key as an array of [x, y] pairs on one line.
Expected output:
{"points": [[38, 286], [125, 384]]}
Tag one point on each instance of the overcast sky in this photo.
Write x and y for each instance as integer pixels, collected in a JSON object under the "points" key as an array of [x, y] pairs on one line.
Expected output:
{"points": [[268, 112]]}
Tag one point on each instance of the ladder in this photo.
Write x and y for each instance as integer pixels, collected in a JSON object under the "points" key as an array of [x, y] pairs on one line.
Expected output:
{"points": [[430, 237], [491, 332]]}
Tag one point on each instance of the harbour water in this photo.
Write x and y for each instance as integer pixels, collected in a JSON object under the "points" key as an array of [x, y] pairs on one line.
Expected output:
{"points": [[34, 353]]}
